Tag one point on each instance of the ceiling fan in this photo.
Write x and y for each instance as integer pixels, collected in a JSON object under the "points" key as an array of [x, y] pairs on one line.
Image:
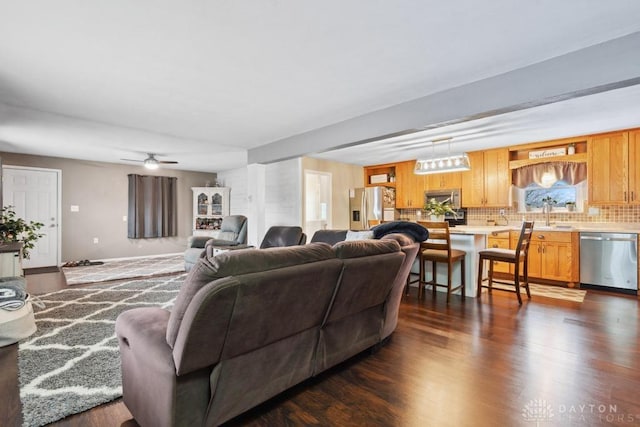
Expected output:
{"points": [[151, 162]]}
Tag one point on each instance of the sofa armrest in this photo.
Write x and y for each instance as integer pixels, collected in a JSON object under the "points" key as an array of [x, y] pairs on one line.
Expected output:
{"points": [[143, 331], [197, 241], [151, 390]]}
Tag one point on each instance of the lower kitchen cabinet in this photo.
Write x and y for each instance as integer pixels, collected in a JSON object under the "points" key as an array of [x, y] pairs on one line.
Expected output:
{"points": [[499, 239], [553, 255]]}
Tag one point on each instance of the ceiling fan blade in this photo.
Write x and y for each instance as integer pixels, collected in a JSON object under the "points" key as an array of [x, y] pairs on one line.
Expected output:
{"points": [[168, 162], [132, 160]]}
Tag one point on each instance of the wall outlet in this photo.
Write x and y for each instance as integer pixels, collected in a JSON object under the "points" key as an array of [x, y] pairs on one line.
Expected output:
{"points": [[124, 218], [75, 208], [502, 211], [96, 240]]}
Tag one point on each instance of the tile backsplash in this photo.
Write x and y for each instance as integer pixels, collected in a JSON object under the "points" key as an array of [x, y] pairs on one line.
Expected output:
{"points": [[615, 214]]}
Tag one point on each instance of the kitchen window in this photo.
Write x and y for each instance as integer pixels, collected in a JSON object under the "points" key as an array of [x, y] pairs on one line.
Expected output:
{"points": [[560, 182]]}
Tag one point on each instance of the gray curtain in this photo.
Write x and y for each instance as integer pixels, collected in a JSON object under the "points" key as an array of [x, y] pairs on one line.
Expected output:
{"points": [[152, 207]]}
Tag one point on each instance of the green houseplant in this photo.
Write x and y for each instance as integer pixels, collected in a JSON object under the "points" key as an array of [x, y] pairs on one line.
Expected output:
{"points": [[14, 229], [438, 209]]}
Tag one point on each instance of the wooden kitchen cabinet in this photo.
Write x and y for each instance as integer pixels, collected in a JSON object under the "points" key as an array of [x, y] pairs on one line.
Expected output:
{"points": [[554, 255], [409, 186], [487, 184], [614, 160], [634, 167], [499, 239], [372, 175], [443, 181]]}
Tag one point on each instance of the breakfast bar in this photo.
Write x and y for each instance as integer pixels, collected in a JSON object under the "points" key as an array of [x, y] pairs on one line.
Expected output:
{"points": [[470, 239]]}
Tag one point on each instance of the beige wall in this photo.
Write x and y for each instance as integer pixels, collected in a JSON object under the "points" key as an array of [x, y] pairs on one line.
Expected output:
{"points": [[343, 177], [101, 192]]}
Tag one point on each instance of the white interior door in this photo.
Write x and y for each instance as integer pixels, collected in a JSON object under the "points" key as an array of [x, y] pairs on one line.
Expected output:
{"points": [[317, 192], [34, 194]]}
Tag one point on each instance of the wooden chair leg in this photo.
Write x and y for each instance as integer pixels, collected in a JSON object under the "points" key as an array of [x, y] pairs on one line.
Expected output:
{"points": [[449, 264], [480, 271], [434, 275], [490, 284], [526, 278], [516, 282], [463, 277], [421, 278]]}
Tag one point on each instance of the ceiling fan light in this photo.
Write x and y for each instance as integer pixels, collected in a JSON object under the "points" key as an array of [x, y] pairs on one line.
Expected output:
{"points": [[151, 163]]}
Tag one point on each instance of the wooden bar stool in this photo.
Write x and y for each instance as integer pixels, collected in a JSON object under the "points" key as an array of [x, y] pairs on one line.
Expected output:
{"points": [[517, 256], [437, 249]]}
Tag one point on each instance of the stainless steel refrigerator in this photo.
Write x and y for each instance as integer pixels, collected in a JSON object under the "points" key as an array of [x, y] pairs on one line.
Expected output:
{"points": [[371, 205]]}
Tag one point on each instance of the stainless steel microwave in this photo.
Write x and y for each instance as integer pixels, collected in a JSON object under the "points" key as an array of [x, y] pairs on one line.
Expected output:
{"points": [[452, 195]]}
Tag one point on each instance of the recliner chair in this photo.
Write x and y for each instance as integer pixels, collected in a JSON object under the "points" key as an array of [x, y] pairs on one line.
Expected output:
{"points": [[278, 236], [232, 232]]}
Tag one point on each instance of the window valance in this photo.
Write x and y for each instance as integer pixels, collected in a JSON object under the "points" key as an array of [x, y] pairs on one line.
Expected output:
{"points": [[546, 174]]}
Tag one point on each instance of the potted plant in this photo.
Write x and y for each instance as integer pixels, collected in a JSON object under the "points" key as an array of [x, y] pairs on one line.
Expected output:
{"points": [[17, 230], [437, 209], [571, 206], [548, 202]]}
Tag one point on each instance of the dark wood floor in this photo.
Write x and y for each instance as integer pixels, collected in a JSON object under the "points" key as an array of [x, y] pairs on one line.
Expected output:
{"points": [[479, 363]]}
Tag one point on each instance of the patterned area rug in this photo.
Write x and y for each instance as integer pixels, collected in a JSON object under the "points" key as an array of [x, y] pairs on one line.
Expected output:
{"points": [[125, 269], [72, 362], [548, 291]]}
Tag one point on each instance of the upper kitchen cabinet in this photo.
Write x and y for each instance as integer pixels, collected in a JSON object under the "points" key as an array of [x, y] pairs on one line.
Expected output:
{"points": [[409, 186], [487, 184], [377, 175], [614, 160], [443, 181]]}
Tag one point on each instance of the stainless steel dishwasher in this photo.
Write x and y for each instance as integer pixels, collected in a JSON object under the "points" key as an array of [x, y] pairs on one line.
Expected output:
{"points": [[610, 261]]}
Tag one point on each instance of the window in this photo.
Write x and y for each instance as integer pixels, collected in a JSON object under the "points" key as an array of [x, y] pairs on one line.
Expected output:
{"points": [[560, 192], [559, 182]]}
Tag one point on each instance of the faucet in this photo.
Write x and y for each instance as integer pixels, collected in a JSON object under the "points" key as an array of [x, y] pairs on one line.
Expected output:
{"points": [[546, 209]]}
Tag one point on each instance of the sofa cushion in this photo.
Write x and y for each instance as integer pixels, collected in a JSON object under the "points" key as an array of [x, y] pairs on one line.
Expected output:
{"points": [[240, 262], [329, 236], [363, 248], [402, 239], [226, 238]]}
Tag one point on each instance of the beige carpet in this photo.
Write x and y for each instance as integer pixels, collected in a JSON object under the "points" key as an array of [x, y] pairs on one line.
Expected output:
{"points": [[548, 291], [124, 269]]}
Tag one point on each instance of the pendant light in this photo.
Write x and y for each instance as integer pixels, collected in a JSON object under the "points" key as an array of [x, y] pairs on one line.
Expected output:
{"points": [[455, 163]]}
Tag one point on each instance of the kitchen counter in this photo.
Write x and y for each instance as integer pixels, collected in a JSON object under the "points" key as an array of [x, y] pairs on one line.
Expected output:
{"points": [[480, 229], [564, 227]]}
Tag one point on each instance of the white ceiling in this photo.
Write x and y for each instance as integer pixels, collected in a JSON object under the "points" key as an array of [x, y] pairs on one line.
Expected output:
{"points": [[201, 82], [611, 110]]}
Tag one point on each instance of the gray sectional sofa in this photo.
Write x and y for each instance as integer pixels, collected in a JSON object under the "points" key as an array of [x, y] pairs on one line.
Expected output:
{"points": [[251, 323]]}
